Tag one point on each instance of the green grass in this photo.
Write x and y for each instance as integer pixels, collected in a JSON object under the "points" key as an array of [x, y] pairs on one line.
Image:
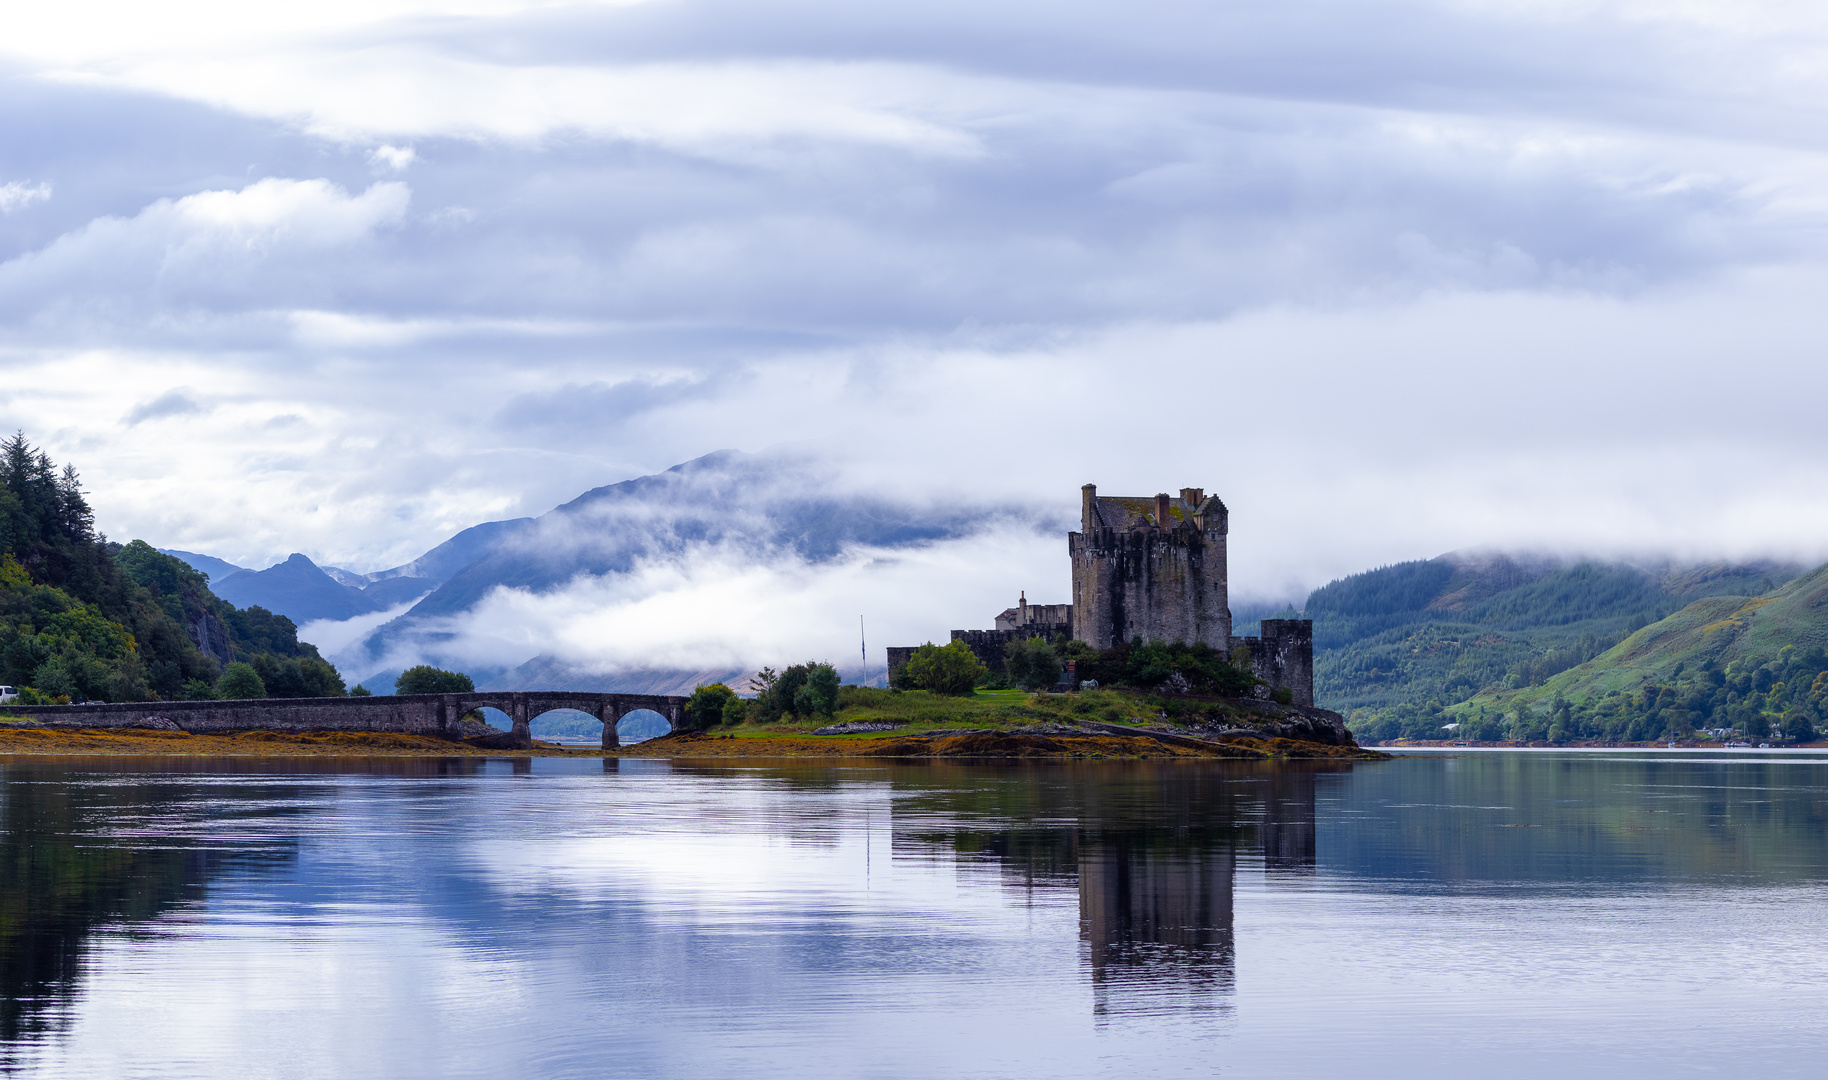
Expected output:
{"points": [[917, 711]]}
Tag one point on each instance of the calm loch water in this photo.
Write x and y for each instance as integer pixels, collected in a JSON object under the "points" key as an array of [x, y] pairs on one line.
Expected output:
{"points": [[1488, 915]]}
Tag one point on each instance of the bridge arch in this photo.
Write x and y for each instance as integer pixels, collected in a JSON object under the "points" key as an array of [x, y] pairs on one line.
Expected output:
{"points": [[567, 719], [492, 716], [638, 724], [609, 709]]}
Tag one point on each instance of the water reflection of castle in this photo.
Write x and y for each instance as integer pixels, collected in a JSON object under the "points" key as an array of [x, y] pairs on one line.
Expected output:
{"points": [[1156, 903], [1155, 857], [1155, 917]]}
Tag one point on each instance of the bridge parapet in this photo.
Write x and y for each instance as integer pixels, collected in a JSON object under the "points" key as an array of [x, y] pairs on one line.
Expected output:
{"points": [[438, 715]]}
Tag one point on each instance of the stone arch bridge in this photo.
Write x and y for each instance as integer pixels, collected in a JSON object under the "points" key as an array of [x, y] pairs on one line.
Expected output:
{"points": [[414, 714]]}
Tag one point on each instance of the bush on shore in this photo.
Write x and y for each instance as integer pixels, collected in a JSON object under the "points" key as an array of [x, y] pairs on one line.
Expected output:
{"points": [[942, 669], [707, 706]]}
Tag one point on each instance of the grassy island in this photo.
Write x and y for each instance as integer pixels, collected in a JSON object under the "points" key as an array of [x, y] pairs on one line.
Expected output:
{"points": [[870, 722]]}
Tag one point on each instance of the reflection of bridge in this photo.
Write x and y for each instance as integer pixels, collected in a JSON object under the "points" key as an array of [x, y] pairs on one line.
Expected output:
{"points": [[413, 714]]}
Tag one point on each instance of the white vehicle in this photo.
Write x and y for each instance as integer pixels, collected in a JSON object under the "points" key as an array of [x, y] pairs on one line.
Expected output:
{"points": [[7, 694]]}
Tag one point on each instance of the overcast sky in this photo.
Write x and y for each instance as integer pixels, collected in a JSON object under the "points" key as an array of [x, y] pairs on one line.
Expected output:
{"points": [[1391, 277]]}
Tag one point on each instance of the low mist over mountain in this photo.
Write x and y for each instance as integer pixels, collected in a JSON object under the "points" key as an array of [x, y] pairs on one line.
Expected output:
{"points": [[725, 499], [550, 673], [655, 584]]}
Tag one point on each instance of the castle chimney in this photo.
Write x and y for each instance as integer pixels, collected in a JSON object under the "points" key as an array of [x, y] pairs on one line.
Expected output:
{"points": [[1022, 609], [1193, 497], [1088, 494], [1161, 510]]}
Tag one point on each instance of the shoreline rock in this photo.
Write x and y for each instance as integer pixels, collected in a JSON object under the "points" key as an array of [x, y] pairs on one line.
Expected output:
{"points": [[858, 727]]}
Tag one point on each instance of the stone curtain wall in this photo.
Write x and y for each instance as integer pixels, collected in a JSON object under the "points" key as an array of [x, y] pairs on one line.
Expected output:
{"points": [[439, 715], [1283, 657], [990, 646]]}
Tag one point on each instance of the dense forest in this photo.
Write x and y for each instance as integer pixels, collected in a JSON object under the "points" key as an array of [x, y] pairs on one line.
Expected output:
{"points": [[85, 619]]}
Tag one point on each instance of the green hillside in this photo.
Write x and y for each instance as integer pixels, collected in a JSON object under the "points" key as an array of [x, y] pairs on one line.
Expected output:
{"points": [[1757, 665], [85, 619], [1397, 647]]}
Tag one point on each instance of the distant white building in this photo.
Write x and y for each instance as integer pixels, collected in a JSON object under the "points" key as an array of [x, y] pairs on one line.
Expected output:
{"points": [[1037, 617]]}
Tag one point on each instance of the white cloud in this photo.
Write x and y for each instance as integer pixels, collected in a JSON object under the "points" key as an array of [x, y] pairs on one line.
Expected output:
{"points": [[334, 636], [306, 213], [341, 330], [211, 247], [719, 109], [100, 32], [17, 194], [396, 158]]}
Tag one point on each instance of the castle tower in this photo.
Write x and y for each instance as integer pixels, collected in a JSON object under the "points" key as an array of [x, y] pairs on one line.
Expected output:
{"points": [[1152, 568]]}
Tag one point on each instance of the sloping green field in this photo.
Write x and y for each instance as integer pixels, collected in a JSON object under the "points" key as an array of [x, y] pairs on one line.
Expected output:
{"points": [[1718, 631]]}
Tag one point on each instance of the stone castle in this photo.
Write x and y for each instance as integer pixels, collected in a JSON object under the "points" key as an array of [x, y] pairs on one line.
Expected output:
{"points": [[1151, 568]]}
